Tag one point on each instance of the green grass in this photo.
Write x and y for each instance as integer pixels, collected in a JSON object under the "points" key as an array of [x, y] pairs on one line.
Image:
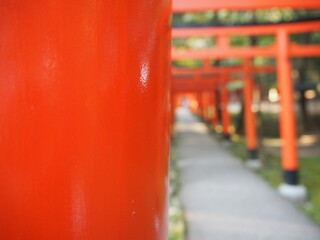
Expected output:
{"points": [[176, 216], [271, 172], [176, 221], [310, 169], [238, 149]]}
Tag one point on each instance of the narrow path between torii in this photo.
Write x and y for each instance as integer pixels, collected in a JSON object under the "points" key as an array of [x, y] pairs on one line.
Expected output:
{"points": [[225, 201]]}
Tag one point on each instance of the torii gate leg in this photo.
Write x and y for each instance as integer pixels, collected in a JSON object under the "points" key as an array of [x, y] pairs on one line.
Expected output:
{"points": [[226, 119], [73, 165], [215, 116], [206, 99], [290, 188], [219, 109], [200, 104], [205, 105], [210, 106], [192, 103], [249, 117]]}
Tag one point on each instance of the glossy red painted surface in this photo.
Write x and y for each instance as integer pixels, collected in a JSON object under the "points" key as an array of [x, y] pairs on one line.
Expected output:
{"points": [[84, 119]]}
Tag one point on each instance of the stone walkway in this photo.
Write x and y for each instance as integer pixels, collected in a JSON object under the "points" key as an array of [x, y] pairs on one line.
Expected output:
{"points": [[223, 200]]}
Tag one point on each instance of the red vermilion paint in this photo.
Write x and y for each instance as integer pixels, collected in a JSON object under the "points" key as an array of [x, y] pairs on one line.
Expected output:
{"points": [[84, 119]]}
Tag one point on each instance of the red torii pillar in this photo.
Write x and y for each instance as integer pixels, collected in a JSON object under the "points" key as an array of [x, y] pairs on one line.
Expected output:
{"points": [[192, 97], [206, 102], [290, 188], [200, 104], [218, 110], [210, 106], [224, 101], [215, 116], [84, 119], [249, 117]]}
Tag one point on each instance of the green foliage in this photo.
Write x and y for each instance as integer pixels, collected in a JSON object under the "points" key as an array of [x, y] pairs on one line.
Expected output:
{"points": [[194, 42], [187, 63], [176, 221], [269, 126], [262, 16], [310, 168], [315, 38], [271, 170], [239, 149], [176, 217], [237, 41], [265, 40]]}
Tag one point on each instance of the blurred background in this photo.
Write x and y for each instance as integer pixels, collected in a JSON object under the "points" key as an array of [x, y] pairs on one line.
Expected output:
{"points": [[306, 78]]}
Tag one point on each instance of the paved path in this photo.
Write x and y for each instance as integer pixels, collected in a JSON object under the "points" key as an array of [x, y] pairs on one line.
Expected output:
{"points": [[225, 201]]}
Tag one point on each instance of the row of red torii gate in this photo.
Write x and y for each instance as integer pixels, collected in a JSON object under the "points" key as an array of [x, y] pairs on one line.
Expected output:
{"points": [[207, 86]]}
